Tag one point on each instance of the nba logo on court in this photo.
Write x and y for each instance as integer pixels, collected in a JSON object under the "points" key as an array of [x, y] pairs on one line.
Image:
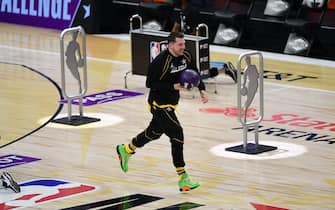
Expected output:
{"points": [[39, 191], [154, 50]]}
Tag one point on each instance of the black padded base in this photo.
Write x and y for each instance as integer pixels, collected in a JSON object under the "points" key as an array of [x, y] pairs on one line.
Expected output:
{"points": [[251, 149], [76, 120]]}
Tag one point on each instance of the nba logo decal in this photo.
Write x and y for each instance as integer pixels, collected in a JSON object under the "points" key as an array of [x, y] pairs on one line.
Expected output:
{"points": [[154, 50], [39, 191]]}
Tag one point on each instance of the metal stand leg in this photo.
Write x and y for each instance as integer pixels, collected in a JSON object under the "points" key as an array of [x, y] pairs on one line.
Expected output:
{"points": [[215, 86], [125, 79], [256, 135], [245, 137]]}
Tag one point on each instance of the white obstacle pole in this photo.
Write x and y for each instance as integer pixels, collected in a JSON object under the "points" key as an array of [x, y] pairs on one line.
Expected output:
{"points": [[254, 76]]}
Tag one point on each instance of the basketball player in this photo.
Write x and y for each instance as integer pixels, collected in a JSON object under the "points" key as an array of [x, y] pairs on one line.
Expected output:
{"points": [[9, 182], [162, 79]]}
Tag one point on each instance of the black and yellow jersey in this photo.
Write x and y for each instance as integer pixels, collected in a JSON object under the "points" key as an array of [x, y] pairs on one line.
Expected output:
{"points": [[163, 73]]}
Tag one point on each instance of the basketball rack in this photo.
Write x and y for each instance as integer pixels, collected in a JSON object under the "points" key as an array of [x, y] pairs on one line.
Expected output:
{"points": [[142, 42]]}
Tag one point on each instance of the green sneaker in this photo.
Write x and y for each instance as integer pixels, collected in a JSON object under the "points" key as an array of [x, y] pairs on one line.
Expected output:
{"points": [[186, 184], [123, 156]]}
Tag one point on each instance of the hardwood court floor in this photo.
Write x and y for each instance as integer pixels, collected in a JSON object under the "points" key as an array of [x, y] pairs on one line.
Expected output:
{"points": [[299, 119]]}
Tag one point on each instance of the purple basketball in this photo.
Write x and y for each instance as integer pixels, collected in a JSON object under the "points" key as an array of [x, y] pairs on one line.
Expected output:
{"points": [[189, 78]]}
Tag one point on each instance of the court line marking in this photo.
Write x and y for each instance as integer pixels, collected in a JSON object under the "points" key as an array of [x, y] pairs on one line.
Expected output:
{"points": [[57, 111], [276, 90], [128, 63], [237, 51], [284, 86], [57, 53], [276, 56]]}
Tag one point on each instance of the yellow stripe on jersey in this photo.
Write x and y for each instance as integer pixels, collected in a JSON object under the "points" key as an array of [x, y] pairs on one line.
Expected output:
{"points": [[155, 105], [146, 136], [166, 66], [157, 134], [149, 107], [175, 122], [177, 140], [187, 56]]}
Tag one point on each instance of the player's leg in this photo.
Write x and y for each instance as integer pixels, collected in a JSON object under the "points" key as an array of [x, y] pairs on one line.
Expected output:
{"points": [[173, 129], [125, 151]]}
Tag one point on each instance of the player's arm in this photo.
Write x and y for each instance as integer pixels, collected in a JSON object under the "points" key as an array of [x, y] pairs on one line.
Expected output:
{"points": [[201, 86], [192, 65]]}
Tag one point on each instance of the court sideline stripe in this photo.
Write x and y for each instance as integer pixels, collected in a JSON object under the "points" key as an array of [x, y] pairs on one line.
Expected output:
{"points": [[276, 56], [128, 63], [57, 53], [59, 109], [285, 86], [237, 51]]}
